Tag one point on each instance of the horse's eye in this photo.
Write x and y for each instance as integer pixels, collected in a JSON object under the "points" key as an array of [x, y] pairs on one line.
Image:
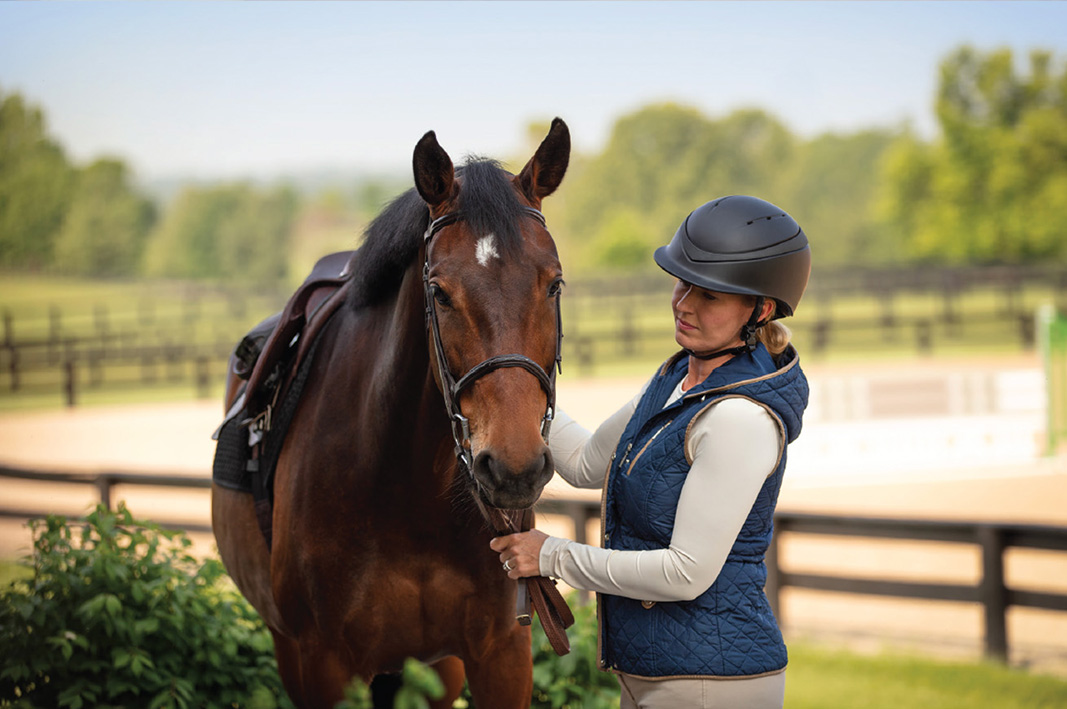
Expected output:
{"points": [[555, 288], [441, 297]]}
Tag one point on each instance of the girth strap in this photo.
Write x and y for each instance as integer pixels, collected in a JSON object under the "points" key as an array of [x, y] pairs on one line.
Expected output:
{"points": [[540, 591]]}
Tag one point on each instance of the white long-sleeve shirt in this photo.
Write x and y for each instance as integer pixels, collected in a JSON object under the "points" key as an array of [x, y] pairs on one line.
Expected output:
{"points": [[734, 446]]}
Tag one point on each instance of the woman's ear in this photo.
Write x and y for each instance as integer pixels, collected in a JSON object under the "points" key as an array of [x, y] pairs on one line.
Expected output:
{"points": [[769, 308]]}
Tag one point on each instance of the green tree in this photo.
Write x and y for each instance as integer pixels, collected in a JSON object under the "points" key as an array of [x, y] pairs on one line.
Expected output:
{"points": [[660, 163], [832, 190], [107, 222], [35, 184], [231, 231], [253, 242], [993, 188]]}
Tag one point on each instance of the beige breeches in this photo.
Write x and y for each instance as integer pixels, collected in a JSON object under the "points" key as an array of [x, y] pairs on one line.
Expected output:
{"points": [[767, 692]]}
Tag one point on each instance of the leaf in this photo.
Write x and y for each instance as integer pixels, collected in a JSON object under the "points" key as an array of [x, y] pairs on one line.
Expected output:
{"points": [[112, 605]]}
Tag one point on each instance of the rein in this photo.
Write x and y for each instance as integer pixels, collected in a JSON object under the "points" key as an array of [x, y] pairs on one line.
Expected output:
{"points": [[538, 591]]}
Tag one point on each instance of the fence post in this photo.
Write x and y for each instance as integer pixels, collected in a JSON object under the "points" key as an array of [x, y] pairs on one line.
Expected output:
{"points": [[992, 592], [203, 378], [627, 331], [103, 487], [69, 383], [889, 318], [924, 337], [583, 350], [9, 329], [54, 328], [821, 335], [13, 367]]}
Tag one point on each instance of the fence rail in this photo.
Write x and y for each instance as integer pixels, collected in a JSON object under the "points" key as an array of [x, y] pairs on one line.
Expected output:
{"points": [[993, 539], [919, 310]]}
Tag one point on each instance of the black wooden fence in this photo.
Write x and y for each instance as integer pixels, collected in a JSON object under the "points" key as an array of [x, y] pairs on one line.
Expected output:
{"points": [[604, 320], [993, 538]]}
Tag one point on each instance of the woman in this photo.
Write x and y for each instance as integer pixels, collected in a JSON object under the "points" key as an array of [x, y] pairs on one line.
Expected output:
{"points": [[691, 470]]}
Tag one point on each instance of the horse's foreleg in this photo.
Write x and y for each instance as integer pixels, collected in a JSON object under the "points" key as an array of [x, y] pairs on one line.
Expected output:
{"points": [[288, 657], [502, 677], [323, 676], [452, 674]]}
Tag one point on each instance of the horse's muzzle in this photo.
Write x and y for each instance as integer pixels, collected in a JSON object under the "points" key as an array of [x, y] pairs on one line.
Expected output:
{"points": [[507, 486]]}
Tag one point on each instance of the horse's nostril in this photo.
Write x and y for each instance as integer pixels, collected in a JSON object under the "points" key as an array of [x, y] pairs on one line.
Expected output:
{"points": [[550, 464], [497, 473], [486, 468]]}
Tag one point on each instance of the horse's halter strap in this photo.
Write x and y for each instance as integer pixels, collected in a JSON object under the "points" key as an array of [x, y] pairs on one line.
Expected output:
{"points": [[452, 388]]}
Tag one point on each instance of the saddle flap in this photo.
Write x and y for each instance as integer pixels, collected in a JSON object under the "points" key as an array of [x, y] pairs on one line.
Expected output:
{"points": [[326, 280]]}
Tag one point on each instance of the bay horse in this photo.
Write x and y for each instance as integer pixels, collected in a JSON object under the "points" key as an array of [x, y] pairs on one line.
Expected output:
{"points": [[380, 544]]}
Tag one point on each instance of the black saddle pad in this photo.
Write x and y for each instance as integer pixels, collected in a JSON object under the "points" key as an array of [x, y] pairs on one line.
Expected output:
{"points": [[230, 468]]}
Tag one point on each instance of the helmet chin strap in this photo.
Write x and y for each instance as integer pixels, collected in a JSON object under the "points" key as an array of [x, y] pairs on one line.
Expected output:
{"points": [[748, 336]]}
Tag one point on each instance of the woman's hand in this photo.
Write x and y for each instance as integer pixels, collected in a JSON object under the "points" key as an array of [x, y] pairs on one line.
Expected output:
{"points": [[520, 553]]}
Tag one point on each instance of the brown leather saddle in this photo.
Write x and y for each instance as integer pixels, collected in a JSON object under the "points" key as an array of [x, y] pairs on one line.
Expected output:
{"points": [[292, 331], [273, 359]]}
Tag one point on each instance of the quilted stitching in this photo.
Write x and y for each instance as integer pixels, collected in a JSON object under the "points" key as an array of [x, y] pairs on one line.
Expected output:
{"points": [[729, 630]]}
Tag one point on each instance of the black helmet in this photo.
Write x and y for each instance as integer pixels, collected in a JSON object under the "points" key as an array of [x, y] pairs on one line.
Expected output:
{"points": [[741, 245]]}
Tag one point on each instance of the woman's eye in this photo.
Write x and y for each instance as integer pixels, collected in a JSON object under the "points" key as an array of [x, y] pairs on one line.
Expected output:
{"points": [[441, 297]]}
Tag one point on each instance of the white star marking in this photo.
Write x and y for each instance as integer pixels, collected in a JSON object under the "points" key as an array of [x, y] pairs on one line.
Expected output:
{"points": [[485, 250]]}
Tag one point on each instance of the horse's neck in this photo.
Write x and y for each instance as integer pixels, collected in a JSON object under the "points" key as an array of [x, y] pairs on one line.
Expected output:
{"points": [[404, 405]]}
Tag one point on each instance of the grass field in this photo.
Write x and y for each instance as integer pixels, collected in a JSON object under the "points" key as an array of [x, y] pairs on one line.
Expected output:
{"points": [[825, 678]]}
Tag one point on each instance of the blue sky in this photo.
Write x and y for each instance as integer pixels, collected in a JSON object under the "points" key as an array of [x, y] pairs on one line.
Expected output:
{"points": [[224, 89]]}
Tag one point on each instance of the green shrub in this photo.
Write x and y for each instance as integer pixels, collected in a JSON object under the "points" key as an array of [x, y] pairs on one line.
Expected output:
{"points": [[572, 681], [418, 681], [117, 613]]}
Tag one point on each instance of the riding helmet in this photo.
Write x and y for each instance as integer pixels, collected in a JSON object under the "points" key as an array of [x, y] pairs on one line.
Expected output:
{"points": [[741, 244]]}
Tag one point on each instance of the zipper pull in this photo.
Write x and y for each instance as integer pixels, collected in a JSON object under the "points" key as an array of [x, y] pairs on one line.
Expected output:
{"points": [[626, 455]]}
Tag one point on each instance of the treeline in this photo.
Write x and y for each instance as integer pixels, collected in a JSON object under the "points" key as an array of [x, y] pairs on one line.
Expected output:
{"points": [[991, 188], [92, 220]]}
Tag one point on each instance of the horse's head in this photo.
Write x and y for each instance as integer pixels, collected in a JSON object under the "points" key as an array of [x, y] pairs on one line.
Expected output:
{"points": [[493, 281]]}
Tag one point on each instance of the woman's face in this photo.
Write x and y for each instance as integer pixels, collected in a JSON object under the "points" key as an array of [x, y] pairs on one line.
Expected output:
{"points": [[708, 321]]}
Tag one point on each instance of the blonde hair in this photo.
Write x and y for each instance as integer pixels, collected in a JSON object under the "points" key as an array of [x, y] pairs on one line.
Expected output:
{"points": [[774, 335]]}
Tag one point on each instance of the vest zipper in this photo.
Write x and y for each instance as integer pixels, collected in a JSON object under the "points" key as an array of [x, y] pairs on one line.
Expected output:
{"points": [[644, 447]]}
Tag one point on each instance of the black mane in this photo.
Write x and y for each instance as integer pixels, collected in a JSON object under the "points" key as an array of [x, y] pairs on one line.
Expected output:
{"points": [[392, 240]]}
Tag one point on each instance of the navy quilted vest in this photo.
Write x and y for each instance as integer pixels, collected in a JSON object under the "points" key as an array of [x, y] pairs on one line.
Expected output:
{"points": [[729, 630]]}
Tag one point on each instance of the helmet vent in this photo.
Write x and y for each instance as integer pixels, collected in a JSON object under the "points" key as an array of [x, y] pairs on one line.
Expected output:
{"points": [[753, 221]]}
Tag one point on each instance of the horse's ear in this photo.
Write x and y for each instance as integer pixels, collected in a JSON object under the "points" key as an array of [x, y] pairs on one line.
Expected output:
{"points": [[434, 174], [546, 168]]}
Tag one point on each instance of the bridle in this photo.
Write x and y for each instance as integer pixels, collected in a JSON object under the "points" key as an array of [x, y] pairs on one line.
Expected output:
{"points": [[451, 388], [538, 591]]}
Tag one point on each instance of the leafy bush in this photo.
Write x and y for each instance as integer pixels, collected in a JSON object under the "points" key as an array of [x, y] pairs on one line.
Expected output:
{"points": [[418, 681], [115, 612], [572, 681], [119, 614]]}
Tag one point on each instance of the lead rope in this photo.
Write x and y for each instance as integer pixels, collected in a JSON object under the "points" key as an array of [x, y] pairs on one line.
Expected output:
{"points": [[540, 591]]}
